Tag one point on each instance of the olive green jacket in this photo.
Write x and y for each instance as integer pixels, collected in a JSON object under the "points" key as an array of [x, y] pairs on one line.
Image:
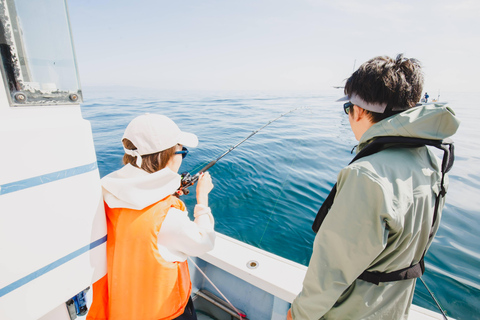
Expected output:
{"points": [[380, 220]]}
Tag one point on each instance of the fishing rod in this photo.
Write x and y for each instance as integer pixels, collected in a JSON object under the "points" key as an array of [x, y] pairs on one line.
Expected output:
{"points": [[188, 180]]}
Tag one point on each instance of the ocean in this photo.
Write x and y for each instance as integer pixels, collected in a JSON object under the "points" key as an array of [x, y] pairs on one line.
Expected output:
{"points": [[268, 190]]}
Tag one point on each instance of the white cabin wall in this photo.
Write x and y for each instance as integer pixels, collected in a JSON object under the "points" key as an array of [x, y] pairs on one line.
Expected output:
{"points": [[51, 208]]}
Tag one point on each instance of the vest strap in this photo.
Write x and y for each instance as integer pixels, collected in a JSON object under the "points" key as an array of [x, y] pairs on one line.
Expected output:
{"points": [[322, 213], [414, 271]]}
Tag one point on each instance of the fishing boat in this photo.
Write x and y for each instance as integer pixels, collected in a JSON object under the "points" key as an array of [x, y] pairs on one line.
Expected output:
{"points": [[52, 219], [435, 101]]}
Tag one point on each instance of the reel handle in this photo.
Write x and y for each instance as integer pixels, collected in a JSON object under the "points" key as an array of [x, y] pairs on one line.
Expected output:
{"points": [[187, 181]]}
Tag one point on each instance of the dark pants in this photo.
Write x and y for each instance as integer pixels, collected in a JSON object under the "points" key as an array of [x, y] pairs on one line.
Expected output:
{"points": [[189, 313]]}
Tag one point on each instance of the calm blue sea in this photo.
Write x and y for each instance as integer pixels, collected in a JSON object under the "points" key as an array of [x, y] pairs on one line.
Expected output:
{"points": [[268, 190]]}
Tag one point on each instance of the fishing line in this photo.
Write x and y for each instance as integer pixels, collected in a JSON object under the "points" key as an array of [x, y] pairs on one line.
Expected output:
{"points": [[275, 206], [278, 198], [189, 180], [241, 315], [434, 299]]}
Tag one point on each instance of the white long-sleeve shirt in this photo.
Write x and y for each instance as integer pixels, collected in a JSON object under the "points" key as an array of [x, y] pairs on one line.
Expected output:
{"points": [[179, 237]]}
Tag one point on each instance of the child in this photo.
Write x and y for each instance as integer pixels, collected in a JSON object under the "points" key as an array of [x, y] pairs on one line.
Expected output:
{"points": [[149, 232]]}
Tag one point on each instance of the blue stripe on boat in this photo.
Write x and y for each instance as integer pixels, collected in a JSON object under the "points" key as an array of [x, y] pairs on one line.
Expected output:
{"points": [[46, 178], [32, 276]]}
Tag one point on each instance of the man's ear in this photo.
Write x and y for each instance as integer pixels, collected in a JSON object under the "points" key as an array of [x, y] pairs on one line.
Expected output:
{"points": [[359, 113]]}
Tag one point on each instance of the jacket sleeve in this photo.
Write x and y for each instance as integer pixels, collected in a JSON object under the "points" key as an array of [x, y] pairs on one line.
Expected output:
{"points": [[352, 235], [179, 237]]}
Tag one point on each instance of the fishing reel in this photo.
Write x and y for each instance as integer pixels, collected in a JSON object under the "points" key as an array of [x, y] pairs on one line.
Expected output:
{"points": [[187, 181]]}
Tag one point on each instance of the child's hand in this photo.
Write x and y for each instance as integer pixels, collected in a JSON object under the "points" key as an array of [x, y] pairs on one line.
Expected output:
{"points": [[204, 186]]}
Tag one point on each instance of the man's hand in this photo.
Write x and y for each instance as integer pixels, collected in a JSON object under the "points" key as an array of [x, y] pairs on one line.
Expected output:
{"points": [[289, 314]]}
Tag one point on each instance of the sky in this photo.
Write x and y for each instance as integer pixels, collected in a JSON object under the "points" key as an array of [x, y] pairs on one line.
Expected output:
{"points": [[271, 44]]}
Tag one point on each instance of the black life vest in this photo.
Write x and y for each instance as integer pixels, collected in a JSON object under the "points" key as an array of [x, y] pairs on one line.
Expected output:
{"points": [[379, 144]]}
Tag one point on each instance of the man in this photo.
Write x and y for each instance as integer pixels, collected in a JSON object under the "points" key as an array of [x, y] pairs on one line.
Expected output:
{"points": [[382, 217], [426, 97]]}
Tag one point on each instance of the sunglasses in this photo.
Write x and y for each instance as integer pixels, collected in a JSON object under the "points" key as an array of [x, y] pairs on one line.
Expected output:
{"points": [[347, 106], [183, 152]]}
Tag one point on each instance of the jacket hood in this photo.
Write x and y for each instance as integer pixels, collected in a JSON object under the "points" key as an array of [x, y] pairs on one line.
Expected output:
{"points": [[133, 188], [426, 122]]}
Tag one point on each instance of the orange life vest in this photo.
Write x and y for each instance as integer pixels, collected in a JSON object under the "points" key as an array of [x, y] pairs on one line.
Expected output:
{"points": [[139, 283]]}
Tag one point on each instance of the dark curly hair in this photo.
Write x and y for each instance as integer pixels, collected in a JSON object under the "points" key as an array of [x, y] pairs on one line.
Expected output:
{"points": [[397, 82]]}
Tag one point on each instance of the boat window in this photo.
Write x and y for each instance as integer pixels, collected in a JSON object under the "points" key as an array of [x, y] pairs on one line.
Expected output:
{"points": [[38, 61]]}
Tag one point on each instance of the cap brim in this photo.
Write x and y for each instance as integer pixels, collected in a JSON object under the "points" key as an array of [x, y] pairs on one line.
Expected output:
{"points": [[345, 98], [188, 139]]}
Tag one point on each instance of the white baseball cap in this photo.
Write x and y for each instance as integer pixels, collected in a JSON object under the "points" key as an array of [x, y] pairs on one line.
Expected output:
{"points": [[152, 133]]}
